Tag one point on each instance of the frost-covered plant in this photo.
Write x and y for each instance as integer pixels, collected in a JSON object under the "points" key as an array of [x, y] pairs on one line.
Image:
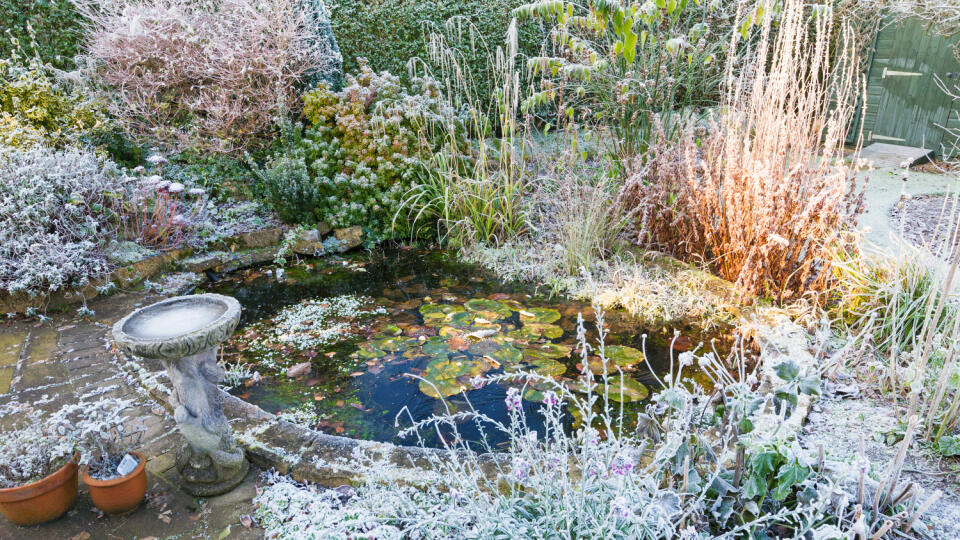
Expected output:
{"points": [[38, 108], [360, 153], [692, 468], [310, 323], [102, 432], [32, 449], [55, 216], [158, 212], [236, 374], [212, 74]]}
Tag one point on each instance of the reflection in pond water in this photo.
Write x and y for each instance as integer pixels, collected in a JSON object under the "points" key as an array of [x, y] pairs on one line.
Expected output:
{"points": [[366, 344]]}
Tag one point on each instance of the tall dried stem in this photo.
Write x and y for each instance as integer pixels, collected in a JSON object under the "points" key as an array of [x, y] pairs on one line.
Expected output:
{"points": [[762, 191]]}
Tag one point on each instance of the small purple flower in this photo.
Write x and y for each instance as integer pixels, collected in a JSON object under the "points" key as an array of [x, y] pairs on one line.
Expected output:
{"points": [[620, 467], [513, 400], [520, 468], [550, 399], [478, 382]]}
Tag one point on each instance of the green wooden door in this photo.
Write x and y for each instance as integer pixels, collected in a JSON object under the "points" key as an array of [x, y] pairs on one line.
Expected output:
{"points": [[910, 109]]}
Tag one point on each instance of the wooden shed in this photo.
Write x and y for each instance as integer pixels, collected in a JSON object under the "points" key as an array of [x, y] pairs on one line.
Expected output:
{"points": [[905, 106]]}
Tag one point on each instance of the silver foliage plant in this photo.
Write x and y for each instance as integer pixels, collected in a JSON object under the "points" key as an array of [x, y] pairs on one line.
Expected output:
{"points": [[691, 468], [32, 449], [54, 214]]}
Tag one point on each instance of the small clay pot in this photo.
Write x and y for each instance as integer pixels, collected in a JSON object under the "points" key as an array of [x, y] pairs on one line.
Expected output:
{"points": [[44, 500], [119, 495]]}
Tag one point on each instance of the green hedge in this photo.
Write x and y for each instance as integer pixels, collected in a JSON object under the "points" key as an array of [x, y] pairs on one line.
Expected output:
{"points": [[56, 29], [390, 32]]}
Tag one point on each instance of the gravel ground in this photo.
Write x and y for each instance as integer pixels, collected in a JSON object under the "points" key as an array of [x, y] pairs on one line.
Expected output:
{"points": [[925, 221], [838, 427]]}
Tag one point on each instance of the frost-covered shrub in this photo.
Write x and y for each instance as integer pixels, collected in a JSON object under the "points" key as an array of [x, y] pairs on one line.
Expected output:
{"points": [[102, 432], [213, 74], [54, 218], [31, 450], [360, 153], [36, 107]]}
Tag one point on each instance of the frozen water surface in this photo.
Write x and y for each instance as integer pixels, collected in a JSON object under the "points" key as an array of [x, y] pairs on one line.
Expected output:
{"points": [[174, 320]]}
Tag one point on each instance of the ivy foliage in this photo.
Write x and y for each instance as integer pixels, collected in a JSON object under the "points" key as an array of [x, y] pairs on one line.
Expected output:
{"points": [[388, 33], [51, 25]]}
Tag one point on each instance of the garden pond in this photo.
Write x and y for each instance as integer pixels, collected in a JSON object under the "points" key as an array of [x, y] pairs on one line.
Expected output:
{"points": [[366, 344]]}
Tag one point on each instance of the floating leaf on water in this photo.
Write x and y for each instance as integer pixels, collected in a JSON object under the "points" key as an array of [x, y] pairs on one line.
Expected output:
{"points": [[484, 346], [552, 351], [435, 345], [448, 331], [632, 389], [539, 315], [443, 374], [623, 356], [549, 368], [437, 313], [483, 330], [488, 309], [507, 355], [369, 350], [460, 319], [449, 282], [393, 344], [390, 330], [535, 330]]}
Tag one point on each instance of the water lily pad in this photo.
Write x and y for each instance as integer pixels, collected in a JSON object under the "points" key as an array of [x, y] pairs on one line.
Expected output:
{"points": [[632, 390], [482, 330], [390, 330], [623, 356], [484, 346], [370, 350], [507, 355], [436, 314], [460, 319], [443, 374], [546, 350], [549, 368], [488, 309], [539, 315], [393, 344], [435, 345], [536, 330]]}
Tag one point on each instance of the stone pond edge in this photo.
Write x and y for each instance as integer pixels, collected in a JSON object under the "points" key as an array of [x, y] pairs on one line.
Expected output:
{"points": [[308, 455]]}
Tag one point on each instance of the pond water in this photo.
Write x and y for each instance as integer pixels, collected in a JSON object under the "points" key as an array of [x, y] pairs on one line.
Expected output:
{"points": [[376, 340]]}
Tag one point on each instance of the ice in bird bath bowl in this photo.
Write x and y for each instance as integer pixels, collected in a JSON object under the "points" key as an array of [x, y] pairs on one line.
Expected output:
{"points": [[184, 333]]}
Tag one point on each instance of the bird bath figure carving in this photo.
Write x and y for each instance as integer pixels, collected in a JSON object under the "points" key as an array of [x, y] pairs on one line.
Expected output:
{"points": [[184, 333]]}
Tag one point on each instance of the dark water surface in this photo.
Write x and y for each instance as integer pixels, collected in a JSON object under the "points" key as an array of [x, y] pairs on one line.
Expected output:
{"points": [[439, 318]]}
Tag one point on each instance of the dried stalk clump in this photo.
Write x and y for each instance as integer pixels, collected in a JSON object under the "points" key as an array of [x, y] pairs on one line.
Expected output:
{"points": [[202, 73], [761, 191]]}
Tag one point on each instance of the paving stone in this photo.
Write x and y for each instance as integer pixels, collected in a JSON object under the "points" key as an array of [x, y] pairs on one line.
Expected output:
{"points": [[10, 346], [42, 345]]}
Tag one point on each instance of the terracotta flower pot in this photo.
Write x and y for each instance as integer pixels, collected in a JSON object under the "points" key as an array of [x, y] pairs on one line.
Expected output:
{"points": [[41, 501], [119, 495]]}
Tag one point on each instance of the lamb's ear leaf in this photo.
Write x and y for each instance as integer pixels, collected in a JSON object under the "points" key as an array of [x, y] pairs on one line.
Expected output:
{"points": [[787, 370]]}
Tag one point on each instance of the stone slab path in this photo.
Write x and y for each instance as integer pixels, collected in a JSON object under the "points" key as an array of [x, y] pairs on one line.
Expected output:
{"points": [[68, 359]]}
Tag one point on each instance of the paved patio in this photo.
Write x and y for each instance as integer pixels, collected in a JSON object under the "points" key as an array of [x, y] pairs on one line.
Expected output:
{"points": [[68, 359]]}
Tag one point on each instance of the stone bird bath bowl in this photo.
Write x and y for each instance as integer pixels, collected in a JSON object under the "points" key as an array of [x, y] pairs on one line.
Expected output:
{"points": [[184, 333]]}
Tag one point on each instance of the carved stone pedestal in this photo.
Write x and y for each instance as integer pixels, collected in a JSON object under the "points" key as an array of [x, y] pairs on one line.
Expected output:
{"points": [[184, 333]]}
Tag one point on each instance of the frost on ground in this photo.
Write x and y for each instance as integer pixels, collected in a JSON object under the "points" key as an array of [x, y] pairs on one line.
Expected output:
{"points": [[838, 426]]}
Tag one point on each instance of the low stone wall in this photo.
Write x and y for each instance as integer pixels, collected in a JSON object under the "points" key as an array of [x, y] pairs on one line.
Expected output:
{"points": [[328, 460]]}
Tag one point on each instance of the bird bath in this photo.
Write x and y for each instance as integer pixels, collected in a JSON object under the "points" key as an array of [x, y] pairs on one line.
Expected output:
{"points": [[184, 333]]}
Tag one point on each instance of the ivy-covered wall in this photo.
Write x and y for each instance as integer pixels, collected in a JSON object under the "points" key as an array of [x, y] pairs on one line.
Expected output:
{"points": [[390, 32], [56, 29]]}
